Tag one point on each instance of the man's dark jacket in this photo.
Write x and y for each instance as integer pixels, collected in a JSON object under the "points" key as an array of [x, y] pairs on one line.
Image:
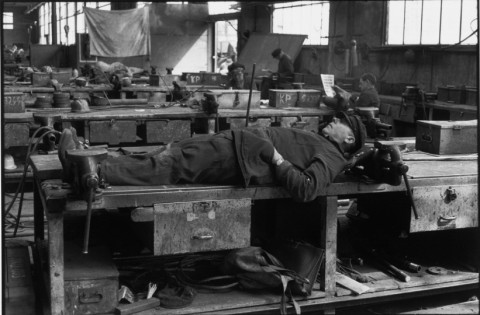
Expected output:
{"points": [[311, 160]]}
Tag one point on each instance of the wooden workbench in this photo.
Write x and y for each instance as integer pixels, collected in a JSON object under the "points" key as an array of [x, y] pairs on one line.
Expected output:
{"points": [[50, 196], [122, 124]]}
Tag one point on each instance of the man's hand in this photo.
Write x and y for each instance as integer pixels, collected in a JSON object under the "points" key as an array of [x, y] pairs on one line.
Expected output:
{"points": [[277, 159]]}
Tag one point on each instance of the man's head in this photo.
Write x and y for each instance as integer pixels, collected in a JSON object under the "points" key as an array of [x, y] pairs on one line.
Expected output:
{"points": [[367, 80], [346, 130], [277, 53]]}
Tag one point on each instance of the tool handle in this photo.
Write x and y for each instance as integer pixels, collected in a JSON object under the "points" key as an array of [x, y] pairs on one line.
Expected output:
{"points": [[250, 95], [86, 236], [409, 192]]}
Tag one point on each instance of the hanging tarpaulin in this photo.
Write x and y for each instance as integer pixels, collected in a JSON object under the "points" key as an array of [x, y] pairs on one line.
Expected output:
{"points": [[120, 33]]}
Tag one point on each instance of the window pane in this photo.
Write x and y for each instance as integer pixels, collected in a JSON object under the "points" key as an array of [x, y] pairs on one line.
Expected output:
{"points": [[104, 5], [221, 7], [450, 22], [8, 17], [303, 17], [91, 5], [469, 21], [413, 21], [81, 23], [71, 9], [431, 22], [142, 4], [71, 31], [395, 22]]}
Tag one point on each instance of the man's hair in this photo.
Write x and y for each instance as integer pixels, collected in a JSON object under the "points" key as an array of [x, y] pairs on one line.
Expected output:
{"points": [[276, 52], [369, 77]]}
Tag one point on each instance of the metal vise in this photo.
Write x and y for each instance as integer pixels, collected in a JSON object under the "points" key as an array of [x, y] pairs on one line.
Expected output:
{"points": [[86, 180]]}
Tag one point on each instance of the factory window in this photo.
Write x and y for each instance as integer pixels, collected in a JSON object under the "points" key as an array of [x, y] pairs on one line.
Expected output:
{"points": [[432, 22], [70, 20], [222, 7], [303, 17], [45, 23], [8, 20]]}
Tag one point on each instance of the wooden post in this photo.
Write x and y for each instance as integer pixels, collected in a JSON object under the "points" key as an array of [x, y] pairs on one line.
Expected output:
{"points": [[329, 240], [38, 211], [55, 208]]}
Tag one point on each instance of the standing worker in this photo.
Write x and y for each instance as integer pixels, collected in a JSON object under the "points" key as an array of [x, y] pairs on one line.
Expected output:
{"points": [[284, 72]]}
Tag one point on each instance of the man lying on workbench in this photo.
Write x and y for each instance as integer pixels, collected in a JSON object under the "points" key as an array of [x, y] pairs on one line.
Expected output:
{"points": [[303, 162]]}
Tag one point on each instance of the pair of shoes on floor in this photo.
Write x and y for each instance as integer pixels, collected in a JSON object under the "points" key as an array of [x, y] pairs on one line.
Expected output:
{"points": [[68, 141]]}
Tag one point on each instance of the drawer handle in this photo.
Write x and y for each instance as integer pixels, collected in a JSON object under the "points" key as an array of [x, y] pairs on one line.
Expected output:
{"points": [[203, 237], [427, 138], [89, 298], [444, 220]]}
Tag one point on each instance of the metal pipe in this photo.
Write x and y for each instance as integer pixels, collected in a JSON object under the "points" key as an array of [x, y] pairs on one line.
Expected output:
{"points": [[86, 236], [250, 95]]}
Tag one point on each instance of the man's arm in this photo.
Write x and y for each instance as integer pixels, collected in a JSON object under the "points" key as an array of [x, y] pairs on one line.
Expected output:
{"points": [[303, 186]]}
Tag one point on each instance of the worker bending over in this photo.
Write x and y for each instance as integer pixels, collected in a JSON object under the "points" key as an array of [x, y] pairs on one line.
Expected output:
{"points": [[284, 72], [303, 162]]}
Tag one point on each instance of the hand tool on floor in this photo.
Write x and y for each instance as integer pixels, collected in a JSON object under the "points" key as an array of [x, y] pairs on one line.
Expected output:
{"points": [[86, 180]]}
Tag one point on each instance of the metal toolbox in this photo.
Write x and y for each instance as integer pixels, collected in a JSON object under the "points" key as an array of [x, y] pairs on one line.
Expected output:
{"points": [[283, 98], [446, 137], [91, 281], [234, 99], [164, 131], [309, 98], [197, 226], [112, 131], [451, 94], [445, 207]]}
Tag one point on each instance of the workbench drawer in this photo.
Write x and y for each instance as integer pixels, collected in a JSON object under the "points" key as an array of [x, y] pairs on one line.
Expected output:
{"points": [[16, 134], [445, 207], [113, 131], [165, 131], [239, 123], [197, 226]]}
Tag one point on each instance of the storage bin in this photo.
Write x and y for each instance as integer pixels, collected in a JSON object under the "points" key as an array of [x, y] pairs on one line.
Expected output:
{"points": [[446, 137], [451, 94], [471, 96], [309, 98]]}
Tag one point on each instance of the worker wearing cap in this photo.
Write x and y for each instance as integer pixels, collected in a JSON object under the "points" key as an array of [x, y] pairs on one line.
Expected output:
{"points": [[284, 72], [303, 162]]}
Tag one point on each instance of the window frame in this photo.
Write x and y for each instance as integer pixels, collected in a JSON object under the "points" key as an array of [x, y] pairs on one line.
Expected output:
{"points": [[323, 40], [12, 24], [439, 45]]}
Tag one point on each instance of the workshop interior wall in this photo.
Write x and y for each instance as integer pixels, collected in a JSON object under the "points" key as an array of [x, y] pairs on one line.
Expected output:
{"points": [[428, 67], [179, 39], [21, 22]]}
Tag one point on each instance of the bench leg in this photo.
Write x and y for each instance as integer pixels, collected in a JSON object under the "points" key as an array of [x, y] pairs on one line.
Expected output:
{"points": [[329, 240], [56, 262], [38, 212]]}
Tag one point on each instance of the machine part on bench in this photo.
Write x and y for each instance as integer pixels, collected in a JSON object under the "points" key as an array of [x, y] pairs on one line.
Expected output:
{"points": [[434, 270]]}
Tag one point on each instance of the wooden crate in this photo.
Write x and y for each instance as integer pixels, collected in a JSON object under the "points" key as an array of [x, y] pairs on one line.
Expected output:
{"points": [[436, 210], [198, 226], [165, 131], [446, 137], [91, 281]]}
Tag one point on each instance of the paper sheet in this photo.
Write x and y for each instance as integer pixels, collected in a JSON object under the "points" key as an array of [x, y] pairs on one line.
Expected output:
{"points": [[328, 80]]}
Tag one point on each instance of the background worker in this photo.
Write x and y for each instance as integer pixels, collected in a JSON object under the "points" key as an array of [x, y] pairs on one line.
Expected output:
{"points": [[303, 162], [284, 72], [368, 94]]}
